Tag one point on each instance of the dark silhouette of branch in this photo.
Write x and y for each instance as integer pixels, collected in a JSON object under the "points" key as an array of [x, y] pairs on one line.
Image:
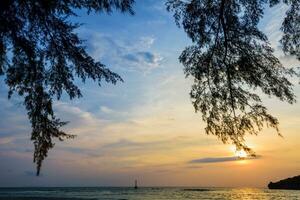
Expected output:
{"points": [[41, 55], [231, 59]]}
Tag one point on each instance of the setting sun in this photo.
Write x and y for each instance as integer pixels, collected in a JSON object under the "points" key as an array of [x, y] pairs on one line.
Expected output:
{"points": [[241, 154]]}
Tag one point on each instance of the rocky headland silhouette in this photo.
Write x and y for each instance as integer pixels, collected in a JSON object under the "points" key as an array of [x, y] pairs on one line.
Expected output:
{"points": [[286, 184]]}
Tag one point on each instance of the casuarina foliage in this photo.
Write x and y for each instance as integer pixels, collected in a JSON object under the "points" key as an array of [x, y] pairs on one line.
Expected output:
{"points": [[41, 55], [231, 59]]}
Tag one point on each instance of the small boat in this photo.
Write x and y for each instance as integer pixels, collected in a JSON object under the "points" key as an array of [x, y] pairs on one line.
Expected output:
{"points": [[135, 184]]}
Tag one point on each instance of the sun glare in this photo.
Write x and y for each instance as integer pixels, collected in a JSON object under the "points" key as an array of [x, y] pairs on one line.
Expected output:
{"points": [[241, 154]]}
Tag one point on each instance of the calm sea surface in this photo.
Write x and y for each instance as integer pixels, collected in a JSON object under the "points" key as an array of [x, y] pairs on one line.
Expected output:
{"points": [[144, 193]]}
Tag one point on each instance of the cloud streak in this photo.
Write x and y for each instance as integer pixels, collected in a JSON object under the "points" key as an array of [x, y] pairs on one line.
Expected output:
{"points": [[143, 58], [129, 55], [221, 159]]}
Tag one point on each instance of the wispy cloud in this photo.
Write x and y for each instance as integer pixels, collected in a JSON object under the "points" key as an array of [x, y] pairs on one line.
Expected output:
{"points": [[147, 41], [6, 140], [144, 59], [127, 55], [221, 159]]}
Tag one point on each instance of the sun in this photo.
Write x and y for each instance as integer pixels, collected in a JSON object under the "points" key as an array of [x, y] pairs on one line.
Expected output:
{"points": [[241, 154]]}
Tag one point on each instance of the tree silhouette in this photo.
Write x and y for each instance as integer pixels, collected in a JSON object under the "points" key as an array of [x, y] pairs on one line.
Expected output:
{"points": [[230, 59], [41, 55]]}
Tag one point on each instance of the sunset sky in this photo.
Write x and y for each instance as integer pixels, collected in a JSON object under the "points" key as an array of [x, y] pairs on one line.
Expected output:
{"points": [[146, 128]]}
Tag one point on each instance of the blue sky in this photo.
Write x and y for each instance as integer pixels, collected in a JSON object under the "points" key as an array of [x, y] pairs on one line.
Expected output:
{"points": [[146, 127]]}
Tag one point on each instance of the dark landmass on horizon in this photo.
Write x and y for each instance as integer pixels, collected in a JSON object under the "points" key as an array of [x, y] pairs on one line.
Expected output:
{"points": [[286, 184]]}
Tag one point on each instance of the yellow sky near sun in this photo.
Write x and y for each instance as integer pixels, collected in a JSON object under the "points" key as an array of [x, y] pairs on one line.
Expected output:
{"points": [[158, 143]]}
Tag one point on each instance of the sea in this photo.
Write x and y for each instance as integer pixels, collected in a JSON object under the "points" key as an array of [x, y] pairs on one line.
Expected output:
{"points": [[145, 193]]}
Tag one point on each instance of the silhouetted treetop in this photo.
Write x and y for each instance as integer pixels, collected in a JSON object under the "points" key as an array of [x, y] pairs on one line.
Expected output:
{"points": [[41, 55], [230, 59]]}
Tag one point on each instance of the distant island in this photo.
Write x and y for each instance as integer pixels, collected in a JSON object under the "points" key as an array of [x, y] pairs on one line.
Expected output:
{"points": [[286, 184]]}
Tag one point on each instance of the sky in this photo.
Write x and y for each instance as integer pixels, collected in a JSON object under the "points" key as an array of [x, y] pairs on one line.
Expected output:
{"points": [[146, 128]]}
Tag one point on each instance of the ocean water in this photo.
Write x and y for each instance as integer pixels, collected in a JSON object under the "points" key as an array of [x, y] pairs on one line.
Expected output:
{"points": [[114, 193]]}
